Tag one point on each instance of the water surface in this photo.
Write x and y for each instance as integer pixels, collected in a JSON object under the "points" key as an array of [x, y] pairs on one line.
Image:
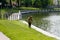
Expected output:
{"points": [[47, 21]]}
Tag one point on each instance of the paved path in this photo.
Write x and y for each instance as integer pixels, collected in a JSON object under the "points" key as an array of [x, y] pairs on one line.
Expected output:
{"points": [[42, 31], [3, 37]]}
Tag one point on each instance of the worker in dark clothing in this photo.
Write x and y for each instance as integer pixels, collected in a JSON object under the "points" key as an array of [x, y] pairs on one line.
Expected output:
{"points": [[29, 21]]}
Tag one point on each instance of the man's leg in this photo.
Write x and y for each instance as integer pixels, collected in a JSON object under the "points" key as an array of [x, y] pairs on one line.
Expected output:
{"points": [[29, 25]]}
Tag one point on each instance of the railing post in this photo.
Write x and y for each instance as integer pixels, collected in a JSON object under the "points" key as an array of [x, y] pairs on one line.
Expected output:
{"points": [[20, 15]]}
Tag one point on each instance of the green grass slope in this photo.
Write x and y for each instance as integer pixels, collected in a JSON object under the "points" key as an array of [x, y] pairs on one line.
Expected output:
{"points": [[16, 30]]}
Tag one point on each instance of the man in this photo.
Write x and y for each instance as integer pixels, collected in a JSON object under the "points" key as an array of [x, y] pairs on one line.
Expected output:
{"points": [[29, 21]]}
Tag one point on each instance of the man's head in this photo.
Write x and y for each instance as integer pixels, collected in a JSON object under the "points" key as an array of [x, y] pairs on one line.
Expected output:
{"points": [[30, 16]]}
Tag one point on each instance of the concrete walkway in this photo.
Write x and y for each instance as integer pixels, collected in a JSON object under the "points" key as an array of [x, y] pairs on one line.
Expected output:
{"points": [[42, 31], [3, 37]]}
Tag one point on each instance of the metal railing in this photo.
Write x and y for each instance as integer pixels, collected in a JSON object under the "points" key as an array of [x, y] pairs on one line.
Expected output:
{"points": [[11, 16]]}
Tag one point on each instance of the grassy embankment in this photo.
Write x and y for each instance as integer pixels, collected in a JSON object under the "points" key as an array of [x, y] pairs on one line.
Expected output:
{"points": [[29, 8], [16, 30]]}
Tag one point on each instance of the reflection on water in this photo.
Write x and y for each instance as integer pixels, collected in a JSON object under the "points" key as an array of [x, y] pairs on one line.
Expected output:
{"points": [[54, 24], [46, 21]]}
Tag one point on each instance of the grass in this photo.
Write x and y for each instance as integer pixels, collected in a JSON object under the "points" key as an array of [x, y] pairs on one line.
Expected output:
{"points": [[5, 10], [57, 8], [29, 8], [16, 30]]}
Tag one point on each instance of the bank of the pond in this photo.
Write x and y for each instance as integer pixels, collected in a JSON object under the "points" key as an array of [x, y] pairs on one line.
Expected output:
{"points": [[29, 8], [16, 30], [42, 31]]}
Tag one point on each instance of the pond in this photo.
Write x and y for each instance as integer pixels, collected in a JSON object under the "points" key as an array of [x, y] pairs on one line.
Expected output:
{"points": [[47, 21]]}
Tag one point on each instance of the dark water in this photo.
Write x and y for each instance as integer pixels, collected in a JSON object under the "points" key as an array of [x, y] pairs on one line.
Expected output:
{"points": [[46, 21]]}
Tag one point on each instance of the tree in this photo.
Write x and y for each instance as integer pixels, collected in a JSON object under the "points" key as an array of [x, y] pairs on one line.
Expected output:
{"points": [[37, 3], [18, 3], [33, 2], [10, 3], [28, 3], [42, 3], [3, 3]]}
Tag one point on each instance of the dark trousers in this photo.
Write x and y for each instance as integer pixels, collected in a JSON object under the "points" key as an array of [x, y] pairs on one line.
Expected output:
{"points": [[29, 25]]}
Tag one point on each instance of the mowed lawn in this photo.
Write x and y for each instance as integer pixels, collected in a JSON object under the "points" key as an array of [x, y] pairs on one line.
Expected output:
{"points": [[16, 30]]}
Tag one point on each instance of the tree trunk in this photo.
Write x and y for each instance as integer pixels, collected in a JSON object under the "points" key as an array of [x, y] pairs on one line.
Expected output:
{"points": [[18, 3], [10, 3]]}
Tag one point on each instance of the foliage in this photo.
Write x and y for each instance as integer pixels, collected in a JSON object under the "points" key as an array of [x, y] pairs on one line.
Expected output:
{"points": [[37, 3], [3, 2], [30, 3], [41, 3]]}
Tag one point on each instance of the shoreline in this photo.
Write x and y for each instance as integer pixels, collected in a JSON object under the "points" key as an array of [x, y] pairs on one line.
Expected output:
{"points": [[42, 31]]}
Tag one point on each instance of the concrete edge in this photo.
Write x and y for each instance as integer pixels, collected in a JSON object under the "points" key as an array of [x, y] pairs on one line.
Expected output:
{"points": [[42, 31], [3, 37]]}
